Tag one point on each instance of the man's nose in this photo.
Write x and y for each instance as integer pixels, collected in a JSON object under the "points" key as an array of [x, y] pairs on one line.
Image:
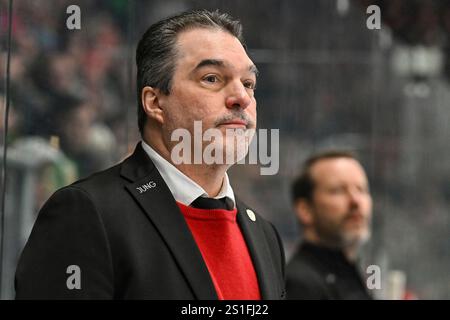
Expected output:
{"points": [[238, 97], [355, 198]]}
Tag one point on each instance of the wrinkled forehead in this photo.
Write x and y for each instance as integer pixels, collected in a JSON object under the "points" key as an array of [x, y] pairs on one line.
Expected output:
{"points": [[199, 44]]}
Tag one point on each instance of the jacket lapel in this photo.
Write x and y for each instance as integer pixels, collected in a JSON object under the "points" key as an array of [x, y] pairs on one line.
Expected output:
{"points": [[259, 252], [156, 200]]}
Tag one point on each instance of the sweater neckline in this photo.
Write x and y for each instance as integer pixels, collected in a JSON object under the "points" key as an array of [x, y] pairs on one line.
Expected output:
{"points": [[207, 214]]}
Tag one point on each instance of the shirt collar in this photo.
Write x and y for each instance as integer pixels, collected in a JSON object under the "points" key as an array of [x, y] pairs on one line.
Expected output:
{"points": [[184, 189]]}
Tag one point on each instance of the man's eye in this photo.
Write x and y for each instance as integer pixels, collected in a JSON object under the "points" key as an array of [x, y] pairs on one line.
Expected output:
{"points": [[211, 79], [250, 85], [364, 190], [336, 190]]}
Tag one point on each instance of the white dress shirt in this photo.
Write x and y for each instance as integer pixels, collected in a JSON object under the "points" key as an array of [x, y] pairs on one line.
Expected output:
{"points": [[184, 189]]}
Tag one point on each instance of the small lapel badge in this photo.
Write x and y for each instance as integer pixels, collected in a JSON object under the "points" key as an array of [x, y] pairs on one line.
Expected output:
{"points": [[251, 214], [147, 186]]}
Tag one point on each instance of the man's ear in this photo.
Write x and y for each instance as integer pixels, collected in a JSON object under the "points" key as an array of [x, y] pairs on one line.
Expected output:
{"points": [[151, 102], [303, 211]]}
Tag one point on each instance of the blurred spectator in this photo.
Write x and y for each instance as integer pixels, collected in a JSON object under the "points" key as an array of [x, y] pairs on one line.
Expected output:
{"points": [[333, 205], [89, 144], [14, 121]]}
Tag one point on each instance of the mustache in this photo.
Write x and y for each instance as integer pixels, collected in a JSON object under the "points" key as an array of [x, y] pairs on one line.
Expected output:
{"points": [[355, 214], [235, 115]]}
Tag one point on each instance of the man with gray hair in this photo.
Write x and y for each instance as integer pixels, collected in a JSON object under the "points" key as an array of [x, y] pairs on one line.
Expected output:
{"points": [[152, 227]]}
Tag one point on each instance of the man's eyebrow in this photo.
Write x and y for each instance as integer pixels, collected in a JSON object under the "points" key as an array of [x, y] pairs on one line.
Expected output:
{"points": [[253, 69], [210, 62], [220, 63]]}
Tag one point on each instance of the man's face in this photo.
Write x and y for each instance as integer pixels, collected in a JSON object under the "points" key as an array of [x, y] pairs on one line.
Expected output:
{"points": [[341, 204], [213, 82]]}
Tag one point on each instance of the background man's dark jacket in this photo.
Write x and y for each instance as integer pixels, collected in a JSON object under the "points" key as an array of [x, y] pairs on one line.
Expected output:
{"points": [[319, 273], [131, 242]]}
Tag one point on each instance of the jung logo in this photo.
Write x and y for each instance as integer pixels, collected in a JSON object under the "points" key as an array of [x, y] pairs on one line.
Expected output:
{"points": [[146, 187]]}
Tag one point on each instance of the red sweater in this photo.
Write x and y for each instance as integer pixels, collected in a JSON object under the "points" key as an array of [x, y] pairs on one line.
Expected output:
{"points": [[225, 252]]}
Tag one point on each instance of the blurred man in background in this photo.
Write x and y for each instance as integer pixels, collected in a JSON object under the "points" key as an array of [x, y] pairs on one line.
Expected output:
{"points": [[334, 206]]}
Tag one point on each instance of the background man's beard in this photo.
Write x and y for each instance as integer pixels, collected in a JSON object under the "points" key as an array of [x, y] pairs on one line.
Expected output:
{"points": [[340, 238], [355, 238]]}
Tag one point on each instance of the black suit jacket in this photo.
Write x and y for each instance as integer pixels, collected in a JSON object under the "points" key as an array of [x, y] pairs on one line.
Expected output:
{"points": [[131, 242], [319, 273]]}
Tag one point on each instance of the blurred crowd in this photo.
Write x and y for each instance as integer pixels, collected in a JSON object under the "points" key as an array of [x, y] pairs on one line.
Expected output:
{"points": [[69, 87], [416, 22]]}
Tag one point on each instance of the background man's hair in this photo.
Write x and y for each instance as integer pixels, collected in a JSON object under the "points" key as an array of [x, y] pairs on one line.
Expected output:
{"points": [[156, 51], [303, 185]]}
